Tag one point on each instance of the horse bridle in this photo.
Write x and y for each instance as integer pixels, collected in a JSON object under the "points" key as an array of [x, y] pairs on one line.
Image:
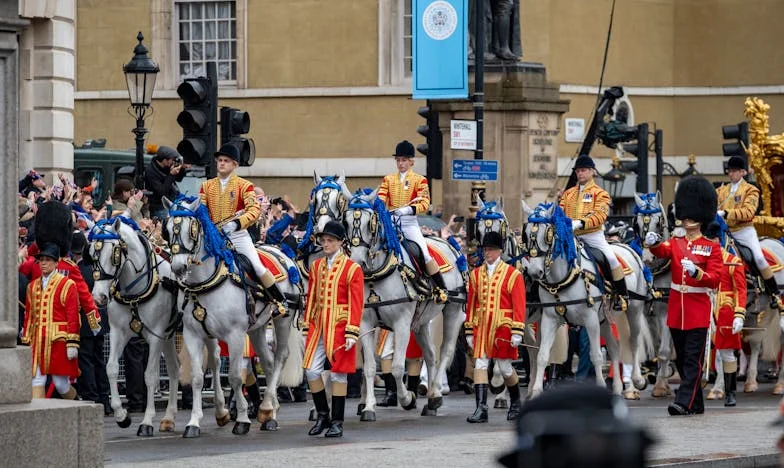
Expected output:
{"points": [[177, 244], [322, 206], [355, 238], [119, 250]]}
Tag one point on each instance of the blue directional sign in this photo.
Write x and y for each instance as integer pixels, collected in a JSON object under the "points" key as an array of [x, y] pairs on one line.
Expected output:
{"points": [[474, 169]]}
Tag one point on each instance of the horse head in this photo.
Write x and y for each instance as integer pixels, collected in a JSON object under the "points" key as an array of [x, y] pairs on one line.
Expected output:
{"points": [[328, 200], [650, 216], [109, 247], [549, 242], [369, 229], [490, 217], [184, 231]]}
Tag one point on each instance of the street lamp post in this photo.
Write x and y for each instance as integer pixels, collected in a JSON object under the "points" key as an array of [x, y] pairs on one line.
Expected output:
{"points": [[140, 75], [613, 180]]}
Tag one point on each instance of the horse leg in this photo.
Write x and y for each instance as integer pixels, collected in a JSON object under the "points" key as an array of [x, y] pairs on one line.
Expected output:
{"points": [[406, 398], [529, 338], [118, 338], [172, 368], [613, 352], [434, 398], [236, 344], [368, 369], [717, 391], [213, 362], [195, 344], [548, 326], [640, 337], [151, 376], [453, 319], [662, 386], [267, 412], [778, 389], [751, 375]]}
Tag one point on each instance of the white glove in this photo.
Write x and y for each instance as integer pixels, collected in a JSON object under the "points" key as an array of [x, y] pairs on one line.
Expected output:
{"points": [[72, 353], [652, 238], [689, 266], [722, 213], [403, 211], [230, 227], [576, 224], [517, 340], [350, 342], [470, 339], [737, 325]]}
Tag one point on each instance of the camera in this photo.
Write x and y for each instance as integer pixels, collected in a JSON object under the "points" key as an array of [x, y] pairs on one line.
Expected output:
{"points": [[459, 219]]}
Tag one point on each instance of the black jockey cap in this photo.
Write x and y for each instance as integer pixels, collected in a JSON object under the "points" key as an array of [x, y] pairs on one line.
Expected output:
{"points": [[230, 151], [334, 229], [405, 149], [50, 250], [584, 162], [737, 162], [493, 240]]}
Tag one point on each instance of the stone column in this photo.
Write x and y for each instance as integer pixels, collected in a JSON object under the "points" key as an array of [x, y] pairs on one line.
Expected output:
{"points": [[522, 122]]}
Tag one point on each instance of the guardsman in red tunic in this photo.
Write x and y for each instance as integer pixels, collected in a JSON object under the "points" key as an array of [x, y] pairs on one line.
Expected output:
{"points": [[336, 297], [52, 325], [233, 207], [729, 314], [696, 265], [495, 319], [406, 195]]}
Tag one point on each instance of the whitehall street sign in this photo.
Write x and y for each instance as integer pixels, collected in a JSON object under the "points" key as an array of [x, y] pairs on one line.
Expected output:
{"points": [[474, 169], [463, 134]]}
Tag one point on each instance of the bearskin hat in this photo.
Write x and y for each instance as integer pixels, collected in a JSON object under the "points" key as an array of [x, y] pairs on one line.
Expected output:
{"points": [[696, 199], [54, 224]]}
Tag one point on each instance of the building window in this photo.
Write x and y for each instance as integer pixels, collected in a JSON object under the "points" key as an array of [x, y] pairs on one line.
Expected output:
{"points": [[207, 32], [408, 62]]}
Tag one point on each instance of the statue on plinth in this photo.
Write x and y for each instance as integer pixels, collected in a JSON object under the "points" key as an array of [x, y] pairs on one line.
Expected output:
{"points": [[502, 30]]}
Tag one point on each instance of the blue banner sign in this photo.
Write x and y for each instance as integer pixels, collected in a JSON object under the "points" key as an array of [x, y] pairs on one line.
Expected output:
{"points": [[474, 169], [440, 49]]}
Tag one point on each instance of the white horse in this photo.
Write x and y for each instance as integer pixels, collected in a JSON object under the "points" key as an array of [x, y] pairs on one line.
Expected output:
{"points": [[215, 304], [136, 283], [400, 299]]}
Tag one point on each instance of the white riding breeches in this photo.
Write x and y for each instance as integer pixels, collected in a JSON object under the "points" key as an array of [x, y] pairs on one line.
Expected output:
{"points": [[598, 241], [388, 350], [244, 245], [61, 382], [504, 365], [747, 237], [727, 355], [317, 366], [412, 232]]}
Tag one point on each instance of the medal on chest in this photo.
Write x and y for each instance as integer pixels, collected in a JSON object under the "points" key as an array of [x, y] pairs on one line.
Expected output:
{"points": [[737, 198], [587, 198], [703, 250]]}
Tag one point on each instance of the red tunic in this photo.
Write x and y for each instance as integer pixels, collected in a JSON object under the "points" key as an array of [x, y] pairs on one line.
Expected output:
{"points": [[689, 305], [52, 324], [335, 301], [495, 310], [730, 302]]}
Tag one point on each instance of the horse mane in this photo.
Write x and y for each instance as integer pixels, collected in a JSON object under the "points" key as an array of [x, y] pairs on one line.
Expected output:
{"points": [[103, 233], [214, 239], [392, 241], [326, 182], [563, 241]]}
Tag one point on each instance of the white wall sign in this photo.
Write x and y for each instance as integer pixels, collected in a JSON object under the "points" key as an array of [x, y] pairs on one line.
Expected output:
{"points": [[463, 135], [575, 130]]}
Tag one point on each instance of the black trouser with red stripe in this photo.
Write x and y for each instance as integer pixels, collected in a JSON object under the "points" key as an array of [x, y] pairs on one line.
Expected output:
{"points": [[690, 360]]}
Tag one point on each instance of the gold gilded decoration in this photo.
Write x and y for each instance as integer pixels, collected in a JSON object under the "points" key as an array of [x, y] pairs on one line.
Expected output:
{"points": [[175, 248], [177, 220], [646, 219], [357, 214], [96, 275], [355, 241], [323, 210], [98, 245], [535, 228], [327, 190], [373, 297], [561, 309], [533, 252], [764, 152], [199, 313], [549, 235], [136, 326], [489, 223]]}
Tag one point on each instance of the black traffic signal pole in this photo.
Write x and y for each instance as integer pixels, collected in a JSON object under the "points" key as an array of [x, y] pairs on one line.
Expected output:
{"points": [[478, 188], [212, 74], [657, 147], [642, 158]]}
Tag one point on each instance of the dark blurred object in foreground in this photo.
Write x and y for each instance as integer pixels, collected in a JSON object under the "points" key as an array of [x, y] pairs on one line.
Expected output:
{"points": [[577, 426]]}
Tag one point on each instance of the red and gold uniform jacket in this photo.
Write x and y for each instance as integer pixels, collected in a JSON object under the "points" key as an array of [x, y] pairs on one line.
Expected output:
{"points": [[730, 301], [52, 324], [336, 297], [70, 270], [689, 305], [395, 193], [591, 206], [740, 206], [495, 310], [224, 203]]}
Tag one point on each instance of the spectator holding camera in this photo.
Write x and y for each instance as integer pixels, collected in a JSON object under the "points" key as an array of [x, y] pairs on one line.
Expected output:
{"points": [[126, 198], [161, 179]]}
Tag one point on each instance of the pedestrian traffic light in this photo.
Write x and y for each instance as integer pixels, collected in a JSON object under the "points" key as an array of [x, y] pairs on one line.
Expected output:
{"points": [[739, 133], [432, 148], [198, 120], [234, 124]]}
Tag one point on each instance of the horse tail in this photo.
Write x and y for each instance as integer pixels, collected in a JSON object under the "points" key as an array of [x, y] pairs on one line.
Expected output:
{"points": [[291, 375], [771, 339]]}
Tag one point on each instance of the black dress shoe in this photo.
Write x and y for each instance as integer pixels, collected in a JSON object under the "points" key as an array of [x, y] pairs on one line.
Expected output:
{"points": [[322, 422], [677, 410], [335, 430]]}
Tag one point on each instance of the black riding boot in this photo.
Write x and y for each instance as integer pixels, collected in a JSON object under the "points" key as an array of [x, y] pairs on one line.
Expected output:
{"points": [[552, 376], [232, 406], [254, 400], [622, 294], [338, 409], [440, 291], [480, 414], [730, 383], [772, 288], [276, 295], [390, 398], [187, 397], [322, 413], [413, 383], [514, 402]]}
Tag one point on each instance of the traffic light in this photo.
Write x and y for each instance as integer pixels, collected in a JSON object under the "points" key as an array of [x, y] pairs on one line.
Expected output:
{"points": [[432, 149], [234, 123], [198, 119], [739, 133], [640, 150]]}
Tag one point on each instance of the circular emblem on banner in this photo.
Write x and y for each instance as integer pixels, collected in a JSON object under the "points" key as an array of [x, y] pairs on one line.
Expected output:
{"points": [[439, 20]]}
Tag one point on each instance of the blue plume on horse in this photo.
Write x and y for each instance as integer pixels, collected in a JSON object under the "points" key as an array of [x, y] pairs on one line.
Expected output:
{"points": [[563, 239], [293, 274], [651, 207], [646, 272], [722, 230], [388, 230], [214, 239], [100, 230], [489, 212], [461, 262], [284, 247]]}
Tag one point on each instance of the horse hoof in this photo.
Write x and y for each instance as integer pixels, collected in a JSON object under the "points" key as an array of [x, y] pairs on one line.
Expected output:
{"points": [[641, 384], [661, 392], [435, 403], [631, 394], [191, 432], [241, 428], [412, 404], [496, 390], [778, 389], [427, 411], [125, 423], [222, 420], [145, 430], [368, 416], [422, 389], [715, 394], [500, 404], [360, 408], [312, 415], [269, 425], [750, 387], [167, 425]]}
